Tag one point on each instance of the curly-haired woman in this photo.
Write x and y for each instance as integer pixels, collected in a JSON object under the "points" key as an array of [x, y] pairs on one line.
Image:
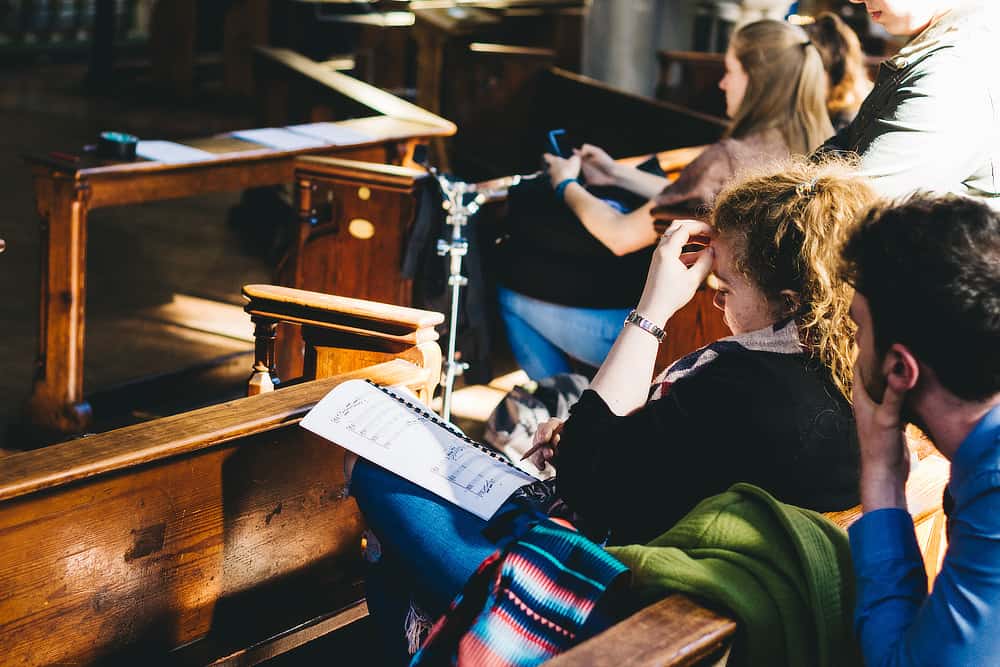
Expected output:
{"points": [[767, 405]]}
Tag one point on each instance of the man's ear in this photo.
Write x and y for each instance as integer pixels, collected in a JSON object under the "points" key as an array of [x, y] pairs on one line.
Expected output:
{"points": [[901, 368], [791, 301]]}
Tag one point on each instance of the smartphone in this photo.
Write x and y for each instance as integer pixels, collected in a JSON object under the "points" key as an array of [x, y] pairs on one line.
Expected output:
{"points": [[560, 144]]}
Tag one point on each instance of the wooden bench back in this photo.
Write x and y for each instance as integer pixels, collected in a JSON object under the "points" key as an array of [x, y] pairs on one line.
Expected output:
{"points": [[220, 530], [506, 132]]}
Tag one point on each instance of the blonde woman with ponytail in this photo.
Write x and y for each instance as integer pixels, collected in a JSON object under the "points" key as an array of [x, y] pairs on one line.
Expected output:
{"points": [[775, 88], [557, 305]]}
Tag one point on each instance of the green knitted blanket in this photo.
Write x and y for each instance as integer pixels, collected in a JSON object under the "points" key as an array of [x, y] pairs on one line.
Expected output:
{"points": [[783, 571]]}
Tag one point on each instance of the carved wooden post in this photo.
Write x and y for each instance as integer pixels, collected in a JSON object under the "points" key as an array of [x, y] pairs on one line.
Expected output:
{"points": [[265, 375]]}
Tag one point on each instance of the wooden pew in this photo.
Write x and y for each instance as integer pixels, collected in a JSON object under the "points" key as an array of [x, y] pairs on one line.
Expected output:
{"points": [[221, 536], [68, 187], [516, 102], [677, 631]]}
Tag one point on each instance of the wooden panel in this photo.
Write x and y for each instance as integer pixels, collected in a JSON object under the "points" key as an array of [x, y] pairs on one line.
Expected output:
{"points": [[337, 200], [221, 525]]}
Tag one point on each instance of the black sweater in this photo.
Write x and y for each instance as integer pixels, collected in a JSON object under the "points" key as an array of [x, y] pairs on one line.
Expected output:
{"points": [[773, 420]]}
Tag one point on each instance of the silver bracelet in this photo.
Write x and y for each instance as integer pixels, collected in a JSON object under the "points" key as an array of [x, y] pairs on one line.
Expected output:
{"points": [[638, 320]]}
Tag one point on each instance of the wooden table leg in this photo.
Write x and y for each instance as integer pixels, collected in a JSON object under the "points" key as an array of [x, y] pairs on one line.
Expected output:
{"points": [[56, 402]]}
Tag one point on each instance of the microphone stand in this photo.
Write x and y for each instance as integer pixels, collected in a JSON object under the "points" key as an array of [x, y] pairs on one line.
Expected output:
{"points": [[462, 200]]}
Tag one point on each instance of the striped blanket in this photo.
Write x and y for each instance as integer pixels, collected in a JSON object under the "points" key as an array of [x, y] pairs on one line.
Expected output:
{"points": [[542, 594]]}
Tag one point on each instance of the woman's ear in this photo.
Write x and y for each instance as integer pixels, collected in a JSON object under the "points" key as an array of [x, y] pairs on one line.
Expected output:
{"points": [[791, 301]]}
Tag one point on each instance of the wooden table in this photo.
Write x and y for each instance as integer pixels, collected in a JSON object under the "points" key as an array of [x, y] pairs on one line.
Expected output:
{"points": [[67, 190]]}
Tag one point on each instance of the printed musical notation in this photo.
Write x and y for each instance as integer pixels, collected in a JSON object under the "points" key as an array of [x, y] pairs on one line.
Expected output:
{"points": [[464, 469], [405, 437]]}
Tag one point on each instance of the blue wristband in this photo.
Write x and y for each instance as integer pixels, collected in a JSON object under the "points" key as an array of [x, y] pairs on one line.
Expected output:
{"points": [[561, 188]]}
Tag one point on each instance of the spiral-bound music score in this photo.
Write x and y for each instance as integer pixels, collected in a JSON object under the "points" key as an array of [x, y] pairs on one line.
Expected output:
{"points": [[403, 436]]}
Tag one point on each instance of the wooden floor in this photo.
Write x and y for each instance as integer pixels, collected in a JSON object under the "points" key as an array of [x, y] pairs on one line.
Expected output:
{"points": [[164, 278]]}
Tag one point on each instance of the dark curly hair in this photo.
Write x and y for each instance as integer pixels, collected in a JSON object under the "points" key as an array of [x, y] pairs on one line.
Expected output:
{"points": [[929, 267]]}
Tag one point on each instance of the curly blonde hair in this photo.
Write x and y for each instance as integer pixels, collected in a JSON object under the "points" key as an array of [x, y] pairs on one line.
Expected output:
{"points": [[786, 225]]}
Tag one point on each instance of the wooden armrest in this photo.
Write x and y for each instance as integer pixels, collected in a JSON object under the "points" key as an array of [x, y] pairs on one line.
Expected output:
{"points": [[125, 448], [340, 334], [340, 313], [676, 631]]}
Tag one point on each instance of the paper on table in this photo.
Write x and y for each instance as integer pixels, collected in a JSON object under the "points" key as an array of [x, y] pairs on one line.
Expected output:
{"points": [[415, 445], [279, 138], [171, 152], [331, 133]]}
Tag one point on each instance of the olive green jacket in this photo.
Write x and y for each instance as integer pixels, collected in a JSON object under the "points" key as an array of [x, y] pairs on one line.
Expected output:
{"points": [[932, 122]]}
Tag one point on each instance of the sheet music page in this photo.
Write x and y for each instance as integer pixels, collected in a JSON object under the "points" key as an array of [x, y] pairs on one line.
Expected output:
{"points": [[171, 152], [363, 419], [331, 133], [279, 138]]}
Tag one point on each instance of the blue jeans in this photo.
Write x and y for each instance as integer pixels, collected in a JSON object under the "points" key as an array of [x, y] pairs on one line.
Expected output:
{"points": [[544, 335], [430, 547]]}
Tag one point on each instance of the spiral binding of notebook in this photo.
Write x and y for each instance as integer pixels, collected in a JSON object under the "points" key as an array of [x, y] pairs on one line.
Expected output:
{"points": [[434, 419]]}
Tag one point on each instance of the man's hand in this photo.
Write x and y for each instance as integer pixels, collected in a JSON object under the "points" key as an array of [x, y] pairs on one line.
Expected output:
{"points": [[885, 458], [598, 167], [543, 445], [674, 276], [560, 169]]}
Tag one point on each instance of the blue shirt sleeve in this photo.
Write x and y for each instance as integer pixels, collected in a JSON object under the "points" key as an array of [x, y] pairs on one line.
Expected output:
{"points": [[897, 623]]}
